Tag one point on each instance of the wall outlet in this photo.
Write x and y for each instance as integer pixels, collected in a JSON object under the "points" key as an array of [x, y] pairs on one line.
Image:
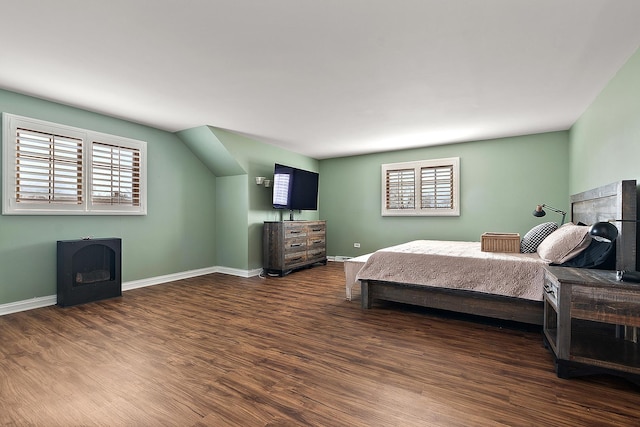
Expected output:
{"points": [[356, 245]]}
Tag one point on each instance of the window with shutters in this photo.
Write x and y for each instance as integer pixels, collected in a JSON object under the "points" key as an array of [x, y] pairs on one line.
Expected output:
{"points": [[55, 169], [115, 172], [425, 187]]}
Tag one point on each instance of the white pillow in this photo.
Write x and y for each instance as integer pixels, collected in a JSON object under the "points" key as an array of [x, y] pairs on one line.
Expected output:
{"points": [[565, 243]]}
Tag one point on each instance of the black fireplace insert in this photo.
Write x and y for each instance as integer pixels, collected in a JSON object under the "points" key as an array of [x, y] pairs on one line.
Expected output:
{"points": [[89, 270]]}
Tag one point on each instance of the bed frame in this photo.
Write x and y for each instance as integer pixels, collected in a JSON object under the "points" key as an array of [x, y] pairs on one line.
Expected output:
{"points": [[614, 201]]}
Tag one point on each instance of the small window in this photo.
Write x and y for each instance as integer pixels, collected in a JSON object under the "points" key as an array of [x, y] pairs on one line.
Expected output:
{"points": [[48, 168], [426, 187], [54, 169], [115, 173]]}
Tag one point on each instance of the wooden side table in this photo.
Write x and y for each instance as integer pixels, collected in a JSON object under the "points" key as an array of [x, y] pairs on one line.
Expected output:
{"points": [[590, 322]]}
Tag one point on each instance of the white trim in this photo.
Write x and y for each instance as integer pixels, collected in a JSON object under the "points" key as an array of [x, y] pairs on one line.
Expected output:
{"points": [[28, 304], [39, 302], [158, 280], [338, 258], [254, 272], [240, 273], [416, 166], [10, 124]]}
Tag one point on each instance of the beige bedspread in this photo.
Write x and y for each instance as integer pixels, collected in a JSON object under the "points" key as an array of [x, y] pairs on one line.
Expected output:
{"points": [[458, 265]]}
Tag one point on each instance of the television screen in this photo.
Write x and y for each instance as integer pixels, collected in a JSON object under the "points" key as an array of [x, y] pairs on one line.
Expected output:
{"points": [[294, 189], [281, 188]]}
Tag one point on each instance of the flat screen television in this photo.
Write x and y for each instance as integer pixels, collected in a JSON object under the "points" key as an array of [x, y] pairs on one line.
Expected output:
{"points": [[295, 189]]}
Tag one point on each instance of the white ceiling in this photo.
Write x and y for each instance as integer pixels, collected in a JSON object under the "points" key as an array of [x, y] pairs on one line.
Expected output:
{"points": [[324, 78]]}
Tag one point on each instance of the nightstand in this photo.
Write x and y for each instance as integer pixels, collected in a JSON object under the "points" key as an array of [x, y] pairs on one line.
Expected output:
{"points": [[590, 322]]}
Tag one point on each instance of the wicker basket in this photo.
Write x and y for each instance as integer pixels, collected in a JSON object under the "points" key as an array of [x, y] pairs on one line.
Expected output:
{"points": [[500, 242]]}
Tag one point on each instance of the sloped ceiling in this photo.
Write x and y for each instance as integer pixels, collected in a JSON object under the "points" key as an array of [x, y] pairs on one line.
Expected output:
{"points": [[211, 151]]}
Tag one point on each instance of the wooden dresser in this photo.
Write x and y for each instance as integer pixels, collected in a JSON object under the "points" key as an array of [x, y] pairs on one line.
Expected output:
{"points": [[290, 245]]}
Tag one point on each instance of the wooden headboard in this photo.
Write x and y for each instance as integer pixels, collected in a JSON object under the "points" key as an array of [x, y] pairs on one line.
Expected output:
{"points": [[613, 201]]}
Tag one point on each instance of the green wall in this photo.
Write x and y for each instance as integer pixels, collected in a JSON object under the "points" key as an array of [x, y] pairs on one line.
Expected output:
{"points": [[501, 181], [177, 235], [241, 205], [232, 239], [605, 141], [257, 159]]}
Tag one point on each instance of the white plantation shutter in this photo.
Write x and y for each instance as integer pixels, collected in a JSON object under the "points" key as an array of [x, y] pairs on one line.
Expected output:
{"points": [[401, 189], [48, 168], [424, 187], [115, 175], [52, 169], [437, 187]]}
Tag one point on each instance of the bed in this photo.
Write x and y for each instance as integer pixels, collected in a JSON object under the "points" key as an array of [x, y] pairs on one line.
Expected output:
{"points": [[404, 283]]}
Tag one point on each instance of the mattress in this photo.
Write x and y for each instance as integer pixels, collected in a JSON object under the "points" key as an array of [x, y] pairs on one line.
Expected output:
{"points": [[458, 265]]}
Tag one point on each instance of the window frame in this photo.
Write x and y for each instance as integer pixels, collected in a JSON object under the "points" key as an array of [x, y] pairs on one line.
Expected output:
{"points": [[10, 205], [416, 167]]}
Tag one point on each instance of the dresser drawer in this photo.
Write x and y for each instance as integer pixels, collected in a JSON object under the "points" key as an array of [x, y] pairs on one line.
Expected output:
{"points": [[316, 229], [315, 242], [295, 244], [292, 259], [318, 253], [618, 306], [294, 230], [551, 290]]}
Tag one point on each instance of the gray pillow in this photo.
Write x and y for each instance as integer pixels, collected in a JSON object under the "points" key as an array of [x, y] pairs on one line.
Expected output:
{"points": [[535, 236]]}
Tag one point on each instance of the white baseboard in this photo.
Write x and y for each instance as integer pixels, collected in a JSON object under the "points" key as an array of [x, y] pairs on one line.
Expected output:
{"points": [[29, 304], [238, 272], [338, 258], [150, 281], [39, 302]]}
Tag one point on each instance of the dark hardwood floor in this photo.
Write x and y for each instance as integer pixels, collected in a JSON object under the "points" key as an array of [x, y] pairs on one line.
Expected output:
{"points": [[219, 350]]}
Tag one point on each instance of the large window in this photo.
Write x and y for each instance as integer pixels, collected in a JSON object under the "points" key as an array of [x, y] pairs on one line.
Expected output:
{"points": [[425, 187], [54, 169]]}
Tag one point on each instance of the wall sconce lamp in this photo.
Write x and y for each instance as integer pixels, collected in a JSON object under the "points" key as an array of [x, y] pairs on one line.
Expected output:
{"points": [[539, 212], [605, 231], [261, 180]]}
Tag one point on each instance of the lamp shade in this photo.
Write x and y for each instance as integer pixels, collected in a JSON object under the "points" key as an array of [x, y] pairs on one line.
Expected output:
{"points": [[604, 231], [539, 211]]}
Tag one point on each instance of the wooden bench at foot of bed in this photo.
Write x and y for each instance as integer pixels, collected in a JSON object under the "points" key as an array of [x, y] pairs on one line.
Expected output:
{"points": [[351, 268]]}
